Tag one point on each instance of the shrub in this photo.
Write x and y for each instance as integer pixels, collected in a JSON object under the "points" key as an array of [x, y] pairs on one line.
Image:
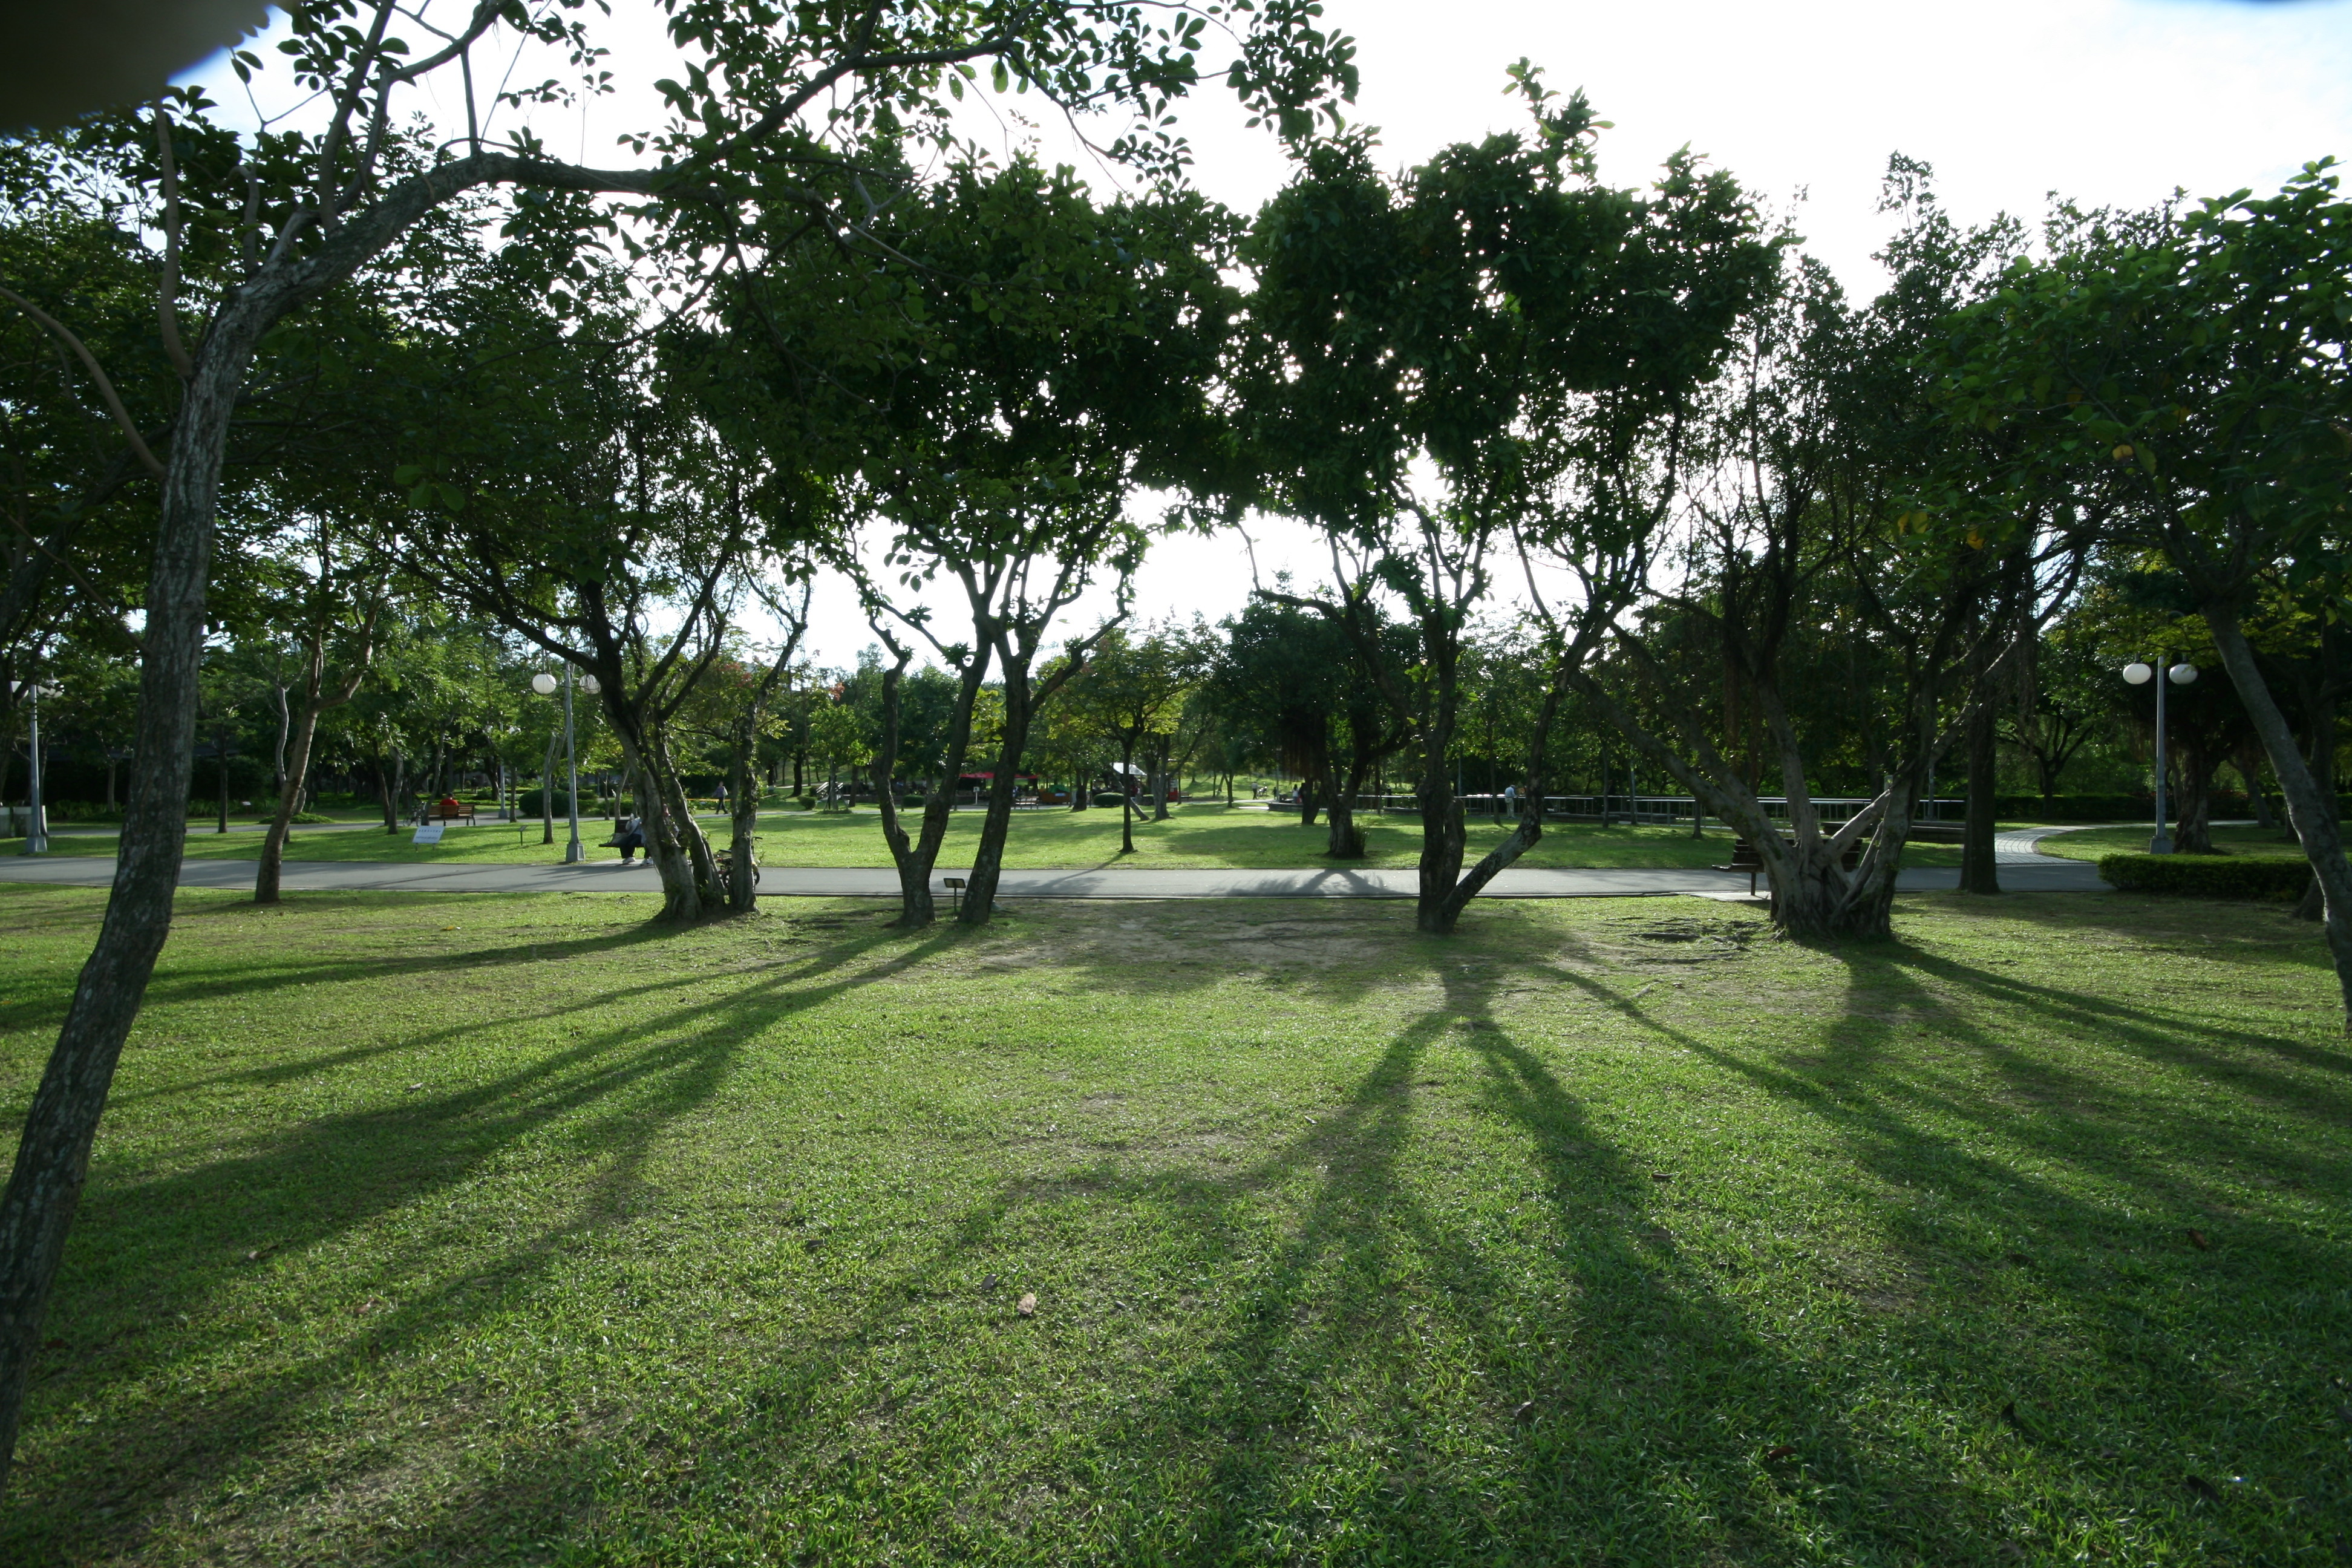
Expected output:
{"points": [[531, 799], [2270, 879]]}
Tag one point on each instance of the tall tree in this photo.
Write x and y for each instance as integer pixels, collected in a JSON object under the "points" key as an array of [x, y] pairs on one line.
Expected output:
{"points": [[2193, 366], [1502, 321]]}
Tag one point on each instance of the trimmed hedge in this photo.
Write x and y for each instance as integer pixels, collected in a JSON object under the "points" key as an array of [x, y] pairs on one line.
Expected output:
{"points": [[2277, 879]]}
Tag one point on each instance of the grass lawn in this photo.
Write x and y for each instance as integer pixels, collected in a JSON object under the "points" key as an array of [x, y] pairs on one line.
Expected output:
{"points": [[487, 1229], [2094, 842], [1193, 838]]}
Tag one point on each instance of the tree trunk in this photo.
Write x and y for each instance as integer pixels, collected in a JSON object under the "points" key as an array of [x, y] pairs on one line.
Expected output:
{"points": [[281, 821], [1125, 796], [285, 728], [743, 851], [53, 1155], [2249, 762], [547, 792], [2194, 797], [680, 854], [2312, 815], [988, 859], [915, 857], [1978, 870], [316, 700]]}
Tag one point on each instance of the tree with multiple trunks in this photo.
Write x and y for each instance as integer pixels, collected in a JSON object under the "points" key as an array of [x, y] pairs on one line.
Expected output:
{"points": [[1028, 360], [1485, 351], [1800, 542]]}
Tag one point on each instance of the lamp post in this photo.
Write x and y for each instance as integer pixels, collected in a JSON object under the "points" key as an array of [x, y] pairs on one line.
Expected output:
{"points": [[2139, 673], [37, 836], [545, 684]]}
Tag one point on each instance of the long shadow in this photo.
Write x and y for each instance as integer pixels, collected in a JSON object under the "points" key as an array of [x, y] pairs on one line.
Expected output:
{"points": [[1595, 1297], [174, 1243]]}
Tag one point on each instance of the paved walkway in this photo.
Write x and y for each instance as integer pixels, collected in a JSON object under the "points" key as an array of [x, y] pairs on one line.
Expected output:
{"points": [[2022, 870]]}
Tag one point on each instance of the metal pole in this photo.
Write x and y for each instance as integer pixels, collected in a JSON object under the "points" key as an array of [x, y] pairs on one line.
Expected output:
{"points": [[571, 851], [37, 839], [2162, 842]]}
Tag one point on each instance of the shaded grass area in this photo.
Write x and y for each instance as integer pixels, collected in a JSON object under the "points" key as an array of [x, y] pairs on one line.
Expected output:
{"points": [[2270, 843], [430, 1230], [1194, 837]]}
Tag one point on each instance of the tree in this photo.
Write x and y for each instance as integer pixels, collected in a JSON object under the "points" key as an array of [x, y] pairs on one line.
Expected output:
{"points": [[1803, 547], [1499, 318], [332, 611], [1130, 692], [2191, 365], [1055, 358], [1293, 676]]}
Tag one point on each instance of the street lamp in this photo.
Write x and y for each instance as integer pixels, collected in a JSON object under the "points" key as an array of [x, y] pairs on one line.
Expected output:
{"points": [[37, 833], [2140, 674], [545, 684]]}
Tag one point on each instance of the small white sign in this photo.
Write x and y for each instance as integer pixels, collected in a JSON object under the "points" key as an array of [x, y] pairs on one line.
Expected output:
{"points": [[429, 834]]}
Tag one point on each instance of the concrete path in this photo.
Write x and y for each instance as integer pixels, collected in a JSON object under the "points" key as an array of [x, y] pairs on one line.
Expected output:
{"points": [[2027, 873]]}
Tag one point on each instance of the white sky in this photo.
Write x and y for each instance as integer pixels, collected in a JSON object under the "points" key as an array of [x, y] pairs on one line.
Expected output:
{"points": [[2109, 102]]}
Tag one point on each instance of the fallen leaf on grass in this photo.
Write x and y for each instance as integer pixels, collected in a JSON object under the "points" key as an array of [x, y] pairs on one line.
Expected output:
{"points": [[53, 1344], [1526, 1412], [1779, 1451], [2202, 1488], [989, 1283], [1661, 1175], [1027, 1305], [414, 1087], [2196, 1239]]}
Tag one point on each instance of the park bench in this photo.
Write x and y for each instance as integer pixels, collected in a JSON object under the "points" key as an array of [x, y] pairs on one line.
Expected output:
{"points": [[1745, 859], [438, 812]]}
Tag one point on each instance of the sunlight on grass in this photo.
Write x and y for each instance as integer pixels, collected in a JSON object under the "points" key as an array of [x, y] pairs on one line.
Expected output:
{"points": [[481, 1228], [1196, 837]]}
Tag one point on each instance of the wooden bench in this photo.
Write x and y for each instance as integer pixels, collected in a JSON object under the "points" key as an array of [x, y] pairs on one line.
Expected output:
{"points": [[440, 813], [1745, 859]]}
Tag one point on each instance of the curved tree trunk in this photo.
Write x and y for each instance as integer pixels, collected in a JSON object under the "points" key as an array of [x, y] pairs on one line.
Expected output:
{"points": [[281, 823], [2312, 814], [53, 1155]]}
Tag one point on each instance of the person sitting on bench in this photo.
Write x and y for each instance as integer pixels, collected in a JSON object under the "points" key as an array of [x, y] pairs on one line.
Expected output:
{"points": [[630, 837]]}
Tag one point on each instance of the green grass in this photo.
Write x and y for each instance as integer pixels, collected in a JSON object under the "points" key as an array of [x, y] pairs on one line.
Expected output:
{"points": [[1194, 837], [487, 1229], [2094, 842]]}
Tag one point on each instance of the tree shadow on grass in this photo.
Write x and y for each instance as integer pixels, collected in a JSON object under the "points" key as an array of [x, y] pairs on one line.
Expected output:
{"points": [[1350, 1390], [152, 1258], [1386, 1373]]}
